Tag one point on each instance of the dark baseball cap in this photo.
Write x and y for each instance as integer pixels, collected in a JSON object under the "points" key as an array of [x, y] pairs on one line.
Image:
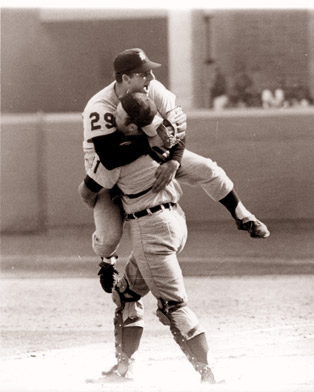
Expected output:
{"points": [[140, 108], [133, 60]]}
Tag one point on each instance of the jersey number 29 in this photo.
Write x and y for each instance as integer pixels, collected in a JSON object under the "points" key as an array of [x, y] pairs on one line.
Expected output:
{"points": [[108, 117]]}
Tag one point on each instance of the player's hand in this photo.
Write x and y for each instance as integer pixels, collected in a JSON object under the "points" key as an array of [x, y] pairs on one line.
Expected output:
{"points": [[108, 276], [177, 116], [164, 175]]}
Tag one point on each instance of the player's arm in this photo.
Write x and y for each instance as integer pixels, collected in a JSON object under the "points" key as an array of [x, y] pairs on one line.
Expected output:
{"points": [[177, 151], [114, 150], [165, 102], [167, 170], [168, 132], [100, 129], [96, 179]]}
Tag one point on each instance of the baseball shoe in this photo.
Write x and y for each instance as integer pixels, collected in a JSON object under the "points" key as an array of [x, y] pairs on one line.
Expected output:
{"points": [[256, 228], [207, 376], [113, 370], [125, 368]]}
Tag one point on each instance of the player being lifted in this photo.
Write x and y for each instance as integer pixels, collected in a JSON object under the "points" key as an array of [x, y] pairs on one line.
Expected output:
{"points": [[104, 147]]}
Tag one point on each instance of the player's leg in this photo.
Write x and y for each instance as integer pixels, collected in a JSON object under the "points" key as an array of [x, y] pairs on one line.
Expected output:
{"points": [[197, 170], [159, 238], [244, 219], [128, 318], [108, 214], [188, 334], [108, 218]]}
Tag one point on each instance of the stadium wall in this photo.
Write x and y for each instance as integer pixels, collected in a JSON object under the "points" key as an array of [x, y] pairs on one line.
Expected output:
{"points": [[268, 155]]}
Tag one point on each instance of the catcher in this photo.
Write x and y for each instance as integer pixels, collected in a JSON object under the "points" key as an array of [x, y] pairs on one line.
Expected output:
{"points": [[158, 231]]}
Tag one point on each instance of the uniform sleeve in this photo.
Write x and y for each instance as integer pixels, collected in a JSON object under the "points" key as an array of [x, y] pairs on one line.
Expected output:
{"points": [[114, 150], [177, 151], [164, 99], [98, 120], [99, 177]]}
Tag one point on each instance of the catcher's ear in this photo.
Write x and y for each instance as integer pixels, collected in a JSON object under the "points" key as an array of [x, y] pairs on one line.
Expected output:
{"points": [[132, 129]]}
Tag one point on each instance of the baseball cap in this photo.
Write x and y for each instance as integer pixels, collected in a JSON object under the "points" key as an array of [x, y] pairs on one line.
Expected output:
{"points": [[141, 110], [133, 60]]}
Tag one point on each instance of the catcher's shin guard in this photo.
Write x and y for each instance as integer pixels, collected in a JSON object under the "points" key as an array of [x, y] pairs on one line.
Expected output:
{"points": [[128, 330], [195, 349], [127, 340]]}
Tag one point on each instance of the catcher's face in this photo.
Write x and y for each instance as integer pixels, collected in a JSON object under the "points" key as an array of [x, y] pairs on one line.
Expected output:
{"points": [[123, 124], [139, 82]]}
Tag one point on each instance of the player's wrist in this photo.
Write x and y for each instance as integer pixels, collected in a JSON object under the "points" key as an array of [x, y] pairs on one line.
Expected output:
{"points": [[108, 261]]}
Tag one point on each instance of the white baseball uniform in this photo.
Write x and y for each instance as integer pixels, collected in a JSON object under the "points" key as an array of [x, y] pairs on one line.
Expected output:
{"points": [[98, 120]]}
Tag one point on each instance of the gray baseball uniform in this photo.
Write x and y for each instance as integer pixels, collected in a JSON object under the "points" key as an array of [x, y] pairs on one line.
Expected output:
{"points": [[195, 170], [158, 233]]}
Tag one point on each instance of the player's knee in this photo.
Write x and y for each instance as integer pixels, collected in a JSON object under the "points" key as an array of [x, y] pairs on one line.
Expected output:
{"points": [[128, 304], [105, 245], [213, 169], [125, 293], [179, 317]]}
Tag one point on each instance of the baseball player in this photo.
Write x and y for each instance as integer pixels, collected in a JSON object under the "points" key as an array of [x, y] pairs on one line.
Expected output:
{"points": [[158, 232], [102, 146]]}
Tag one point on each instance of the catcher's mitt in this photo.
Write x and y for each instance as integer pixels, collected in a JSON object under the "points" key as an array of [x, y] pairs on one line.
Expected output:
{"points": [[108, 276]]}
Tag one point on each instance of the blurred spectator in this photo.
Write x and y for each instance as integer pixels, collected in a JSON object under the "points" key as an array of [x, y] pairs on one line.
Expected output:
{"points": [[298, 95], [257, 90], [295, 95], [273, 100], [243, 92]]}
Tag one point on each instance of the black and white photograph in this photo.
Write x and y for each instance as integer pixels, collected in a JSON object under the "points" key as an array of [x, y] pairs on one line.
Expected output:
{"points": [[157, 197]]}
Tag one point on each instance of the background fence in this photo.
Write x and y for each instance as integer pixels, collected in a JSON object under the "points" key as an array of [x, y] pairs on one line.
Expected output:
{"points": [[268, 155]]}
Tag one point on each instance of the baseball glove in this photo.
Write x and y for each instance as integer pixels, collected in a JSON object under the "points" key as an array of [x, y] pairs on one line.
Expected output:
{"points": [[168, 134], [178, 117], [108, 276]]}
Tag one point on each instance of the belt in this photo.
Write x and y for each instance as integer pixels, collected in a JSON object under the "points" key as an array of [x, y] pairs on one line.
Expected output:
{"points": [[150, 211]]}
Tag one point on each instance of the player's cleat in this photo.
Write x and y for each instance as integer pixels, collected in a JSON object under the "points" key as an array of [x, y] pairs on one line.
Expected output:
{"points": [[256, 228], [125, 368], [207, 376], [110, 371]]}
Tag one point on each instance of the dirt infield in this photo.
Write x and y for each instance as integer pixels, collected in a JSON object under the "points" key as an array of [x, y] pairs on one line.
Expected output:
{"points": [[57, 336], [255, 298]]}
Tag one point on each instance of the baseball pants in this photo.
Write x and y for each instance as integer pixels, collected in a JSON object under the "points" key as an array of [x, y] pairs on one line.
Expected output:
{"points": [[153, 266], [195, 170]]}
